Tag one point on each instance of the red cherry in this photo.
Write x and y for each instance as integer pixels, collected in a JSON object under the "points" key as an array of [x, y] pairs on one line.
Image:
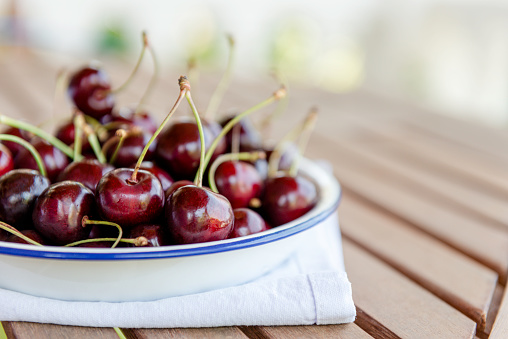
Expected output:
{"points": [[66, 134], [6, 161], [54, 160], [59, 211], [196, 214], [90, 90], [87, 171], [250, 140], [238, 181], [32, 234], [141, 119], [131, 149], [13, 146], [176, 185], [130, 203], [286, 198], [247, 222], [155, 234], [163, 176]]}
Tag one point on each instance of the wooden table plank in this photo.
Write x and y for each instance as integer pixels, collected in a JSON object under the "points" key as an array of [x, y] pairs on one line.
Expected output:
{"points": [[403, 307], [188, 333], [26, 330], [470, 236], [468, 287], [500, 327], [345, 331]]}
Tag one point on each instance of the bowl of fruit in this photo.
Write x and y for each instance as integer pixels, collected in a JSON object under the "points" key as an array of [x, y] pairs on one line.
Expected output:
{"points": [[114, 207]]}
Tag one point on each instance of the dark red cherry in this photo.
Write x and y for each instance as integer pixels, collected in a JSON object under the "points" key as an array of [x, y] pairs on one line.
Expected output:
{"points": [[32, 234], [13, 146], [155, 234], [87, 171], [179, 148], [247, 222], [131, 149], [18, 190], [6, 160], [250, 140], [126, 203], [163, 176], [286, 198], [176, 185], [141, 119], [54, 160], [90, 90], [66, 133], [288, 156], [59, 211], [196, 214], [238, 181]]}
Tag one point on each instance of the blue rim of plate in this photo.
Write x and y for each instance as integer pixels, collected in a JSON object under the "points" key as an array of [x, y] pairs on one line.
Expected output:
{"points": [[59, 253]]}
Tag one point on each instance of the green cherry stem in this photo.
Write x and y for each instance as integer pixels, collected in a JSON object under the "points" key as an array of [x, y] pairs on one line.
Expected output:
{"points": [[220, 91], [12, 230], [121, 134], [139, 241], [245, 156], [3, 335], [86, 221], [153, 79], [94, 142], [198, 181], [98, 128], [79, 122], [68, 151], [183, 91], [308, 127], [120, 333], [277, 95], [30, 148], [136, 68]]}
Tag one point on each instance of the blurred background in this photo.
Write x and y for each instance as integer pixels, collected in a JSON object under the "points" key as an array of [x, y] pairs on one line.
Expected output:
{"points": [[449, 56]]}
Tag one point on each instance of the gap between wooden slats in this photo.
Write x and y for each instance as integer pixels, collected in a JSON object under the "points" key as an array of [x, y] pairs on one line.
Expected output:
{"points": [[399, 304], [455, 278]]}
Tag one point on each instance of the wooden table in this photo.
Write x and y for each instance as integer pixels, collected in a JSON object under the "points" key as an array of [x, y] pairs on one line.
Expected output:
{"points": [[424, 211]]}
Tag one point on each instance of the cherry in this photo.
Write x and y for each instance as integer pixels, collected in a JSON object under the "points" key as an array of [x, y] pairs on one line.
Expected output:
{"points": [[87, 171], [238, 181], [13, 146], [141, 119], [247, 222], [90, 90], [131, 148], [155, 234], [163, 176], [18, 191], [66, 133], [54, 160], [176, 185], [127, 202], [250, 140], [6, 161], [179, 148], [32, 234], [59, 211], [195, 214], [286, 198]]}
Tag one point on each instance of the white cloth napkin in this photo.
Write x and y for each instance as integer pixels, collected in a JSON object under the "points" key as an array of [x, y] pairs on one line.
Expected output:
{"points": [[311, 287]]}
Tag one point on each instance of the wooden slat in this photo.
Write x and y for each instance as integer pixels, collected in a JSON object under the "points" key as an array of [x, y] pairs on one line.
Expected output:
{"points": [[468, 287], [485, 244], [345, 331], [25, 330], [189, 333], [403, 307]]}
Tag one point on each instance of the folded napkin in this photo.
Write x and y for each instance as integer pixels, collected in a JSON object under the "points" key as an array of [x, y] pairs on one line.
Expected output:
{"points": [[311, 287]]}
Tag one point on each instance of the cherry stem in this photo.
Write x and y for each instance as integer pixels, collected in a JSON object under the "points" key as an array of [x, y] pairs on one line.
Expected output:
{"points": [[120, 333], [245, 156], [30, 148], [68, 151], [121, 134], [86, 221], [273, 162], [60, 84], [94, 142], [79, 122], [183, 91], [193, 73], [280, 108], [139, 241], [308, 127], [198, 181], [12, 230], [235, 138], [136, 68], [153, 79], [220, 90], [279, 94], [98, 128]]}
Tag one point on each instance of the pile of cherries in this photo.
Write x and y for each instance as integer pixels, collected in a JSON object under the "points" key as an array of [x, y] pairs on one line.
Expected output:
{"points": [[111, 176]]}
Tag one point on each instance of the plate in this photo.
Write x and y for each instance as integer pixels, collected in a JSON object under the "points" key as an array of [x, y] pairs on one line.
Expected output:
{"points": [[151, 273]]}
